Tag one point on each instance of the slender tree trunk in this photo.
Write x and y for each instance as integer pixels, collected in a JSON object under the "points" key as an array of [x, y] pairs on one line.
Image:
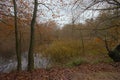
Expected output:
{"points": [[30, 52], [82, 41], [19, 65], [106, 45]]}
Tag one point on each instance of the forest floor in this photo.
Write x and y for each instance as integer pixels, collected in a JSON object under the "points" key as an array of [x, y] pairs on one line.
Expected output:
{"points": [[100, 71]]}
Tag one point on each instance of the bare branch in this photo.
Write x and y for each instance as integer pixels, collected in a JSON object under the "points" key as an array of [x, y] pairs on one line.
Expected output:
{"points": [[112, 8], [6, 5], [46, 6], [114, 2], [5, 22]]}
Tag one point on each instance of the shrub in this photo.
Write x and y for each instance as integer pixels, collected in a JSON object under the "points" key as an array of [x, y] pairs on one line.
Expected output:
{"points": [[76, 62], [62, 51], [69, 53]]}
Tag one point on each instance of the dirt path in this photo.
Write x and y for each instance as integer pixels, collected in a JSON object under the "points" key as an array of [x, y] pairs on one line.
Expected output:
{"points": [[96, 76], [83, 72]]}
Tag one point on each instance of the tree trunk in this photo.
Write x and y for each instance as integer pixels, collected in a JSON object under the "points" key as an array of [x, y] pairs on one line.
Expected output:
{"points": [[82, 42], [30, 52], [19, 65]]}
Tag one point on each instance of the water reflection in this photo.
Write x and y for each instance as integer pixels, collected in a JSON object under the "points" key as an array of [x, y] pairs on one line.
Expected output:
{"points": [[9, 65]]}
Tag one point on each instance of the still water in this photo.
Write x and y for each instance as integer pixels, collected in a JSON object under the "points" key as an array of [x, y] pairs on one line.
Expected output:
{"points": [[10, 65]]}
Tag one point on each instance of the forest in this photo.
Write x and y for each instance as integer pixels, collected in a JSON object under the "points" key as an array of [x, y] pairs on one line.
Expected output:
{"points": [[59, 40]]}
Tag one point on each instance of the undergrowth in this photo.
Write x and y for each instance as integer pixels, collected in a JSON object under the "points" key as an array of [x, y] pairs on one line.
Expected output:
{"points": [[69, 53]]}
